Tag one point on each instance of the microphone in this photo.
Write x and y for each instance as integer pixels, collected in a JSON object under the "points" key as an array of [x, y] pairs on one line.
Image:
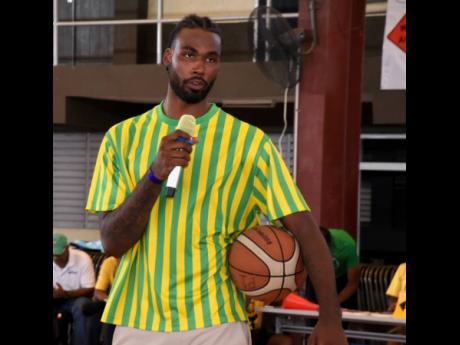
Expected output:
{"points": [[186, 124]]}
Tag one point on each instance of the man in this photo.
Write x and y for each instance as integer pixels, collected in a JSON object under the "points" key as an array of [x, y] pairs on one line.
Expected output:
{"points": [[73, 283], [173, 284], [93, 309], [396, 293], [262, 332], [346, 267]]}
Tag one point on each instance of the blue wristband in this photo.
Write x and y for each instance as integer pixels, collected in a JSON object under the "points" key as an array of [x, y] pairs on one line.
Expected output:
{"points": [[153, 178], [184, 140]]}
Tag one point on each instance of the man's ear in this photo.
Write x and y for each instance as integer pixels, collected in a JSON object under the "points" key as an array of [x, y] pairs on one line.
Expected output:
{"points": [[167, 56]]}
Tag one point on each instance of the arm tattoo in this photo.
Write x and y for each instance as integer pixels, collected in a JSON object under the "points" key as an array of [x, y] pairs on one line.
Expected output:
{"points": [[124, 226]]}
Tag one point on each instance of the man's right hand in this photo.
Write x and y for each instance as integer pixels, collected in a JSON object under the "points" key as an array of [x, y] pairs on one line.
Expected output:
{"points": [[122, 227], [172, 153], [58, 292]]}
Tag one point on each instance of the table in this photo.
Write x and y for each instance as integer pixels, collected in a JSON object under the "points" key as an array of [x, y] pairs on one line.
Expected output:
{"points": [[287, 320]]}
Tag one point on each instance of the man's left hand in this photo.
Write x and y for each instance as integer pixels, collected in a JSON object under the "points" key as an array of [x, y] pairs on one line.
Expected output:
{"points": [[327, 334]]}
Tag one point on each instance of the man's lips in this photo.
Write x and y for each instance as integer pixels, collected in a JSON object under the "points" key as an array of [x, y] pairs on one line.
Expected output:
{"points": [[196, 83]]}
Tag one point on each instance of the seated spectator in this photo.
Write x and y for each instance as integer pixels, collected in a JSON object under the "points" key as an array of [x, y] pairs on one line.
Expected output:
{"points": [[396, 293], [346, 267], [262, 335], [73, 284], [94, 309]]}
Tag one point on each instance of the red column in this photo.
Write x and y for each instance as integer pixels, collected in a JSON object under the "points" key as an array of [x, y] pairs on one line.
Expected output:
{"points": [[329, 118]]}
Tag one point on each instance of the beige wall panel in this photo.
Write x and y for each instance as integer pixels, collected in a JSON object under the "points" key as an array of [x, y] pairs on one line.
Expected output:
{"points": [[210, 8]]}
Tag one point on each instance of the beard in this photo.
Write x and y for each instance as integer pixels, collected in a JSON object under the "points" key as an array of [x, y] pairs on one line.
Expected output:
{"points": [[192, 96]]}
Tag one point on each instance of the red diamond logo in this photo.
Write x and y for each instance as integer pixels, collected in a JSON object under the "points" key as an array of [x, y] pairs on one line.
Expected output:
{"points": [[398, 34]]}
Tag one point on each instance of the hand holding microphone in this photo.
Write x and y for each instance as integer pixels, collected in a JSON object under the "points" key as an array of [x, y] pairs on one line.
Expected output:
{"points": [[174, 153]]}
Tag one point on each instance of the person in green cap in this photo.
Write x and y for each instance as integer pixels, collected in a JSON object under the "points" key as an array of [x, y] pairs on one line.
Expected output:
{"points": [[73, 283]]}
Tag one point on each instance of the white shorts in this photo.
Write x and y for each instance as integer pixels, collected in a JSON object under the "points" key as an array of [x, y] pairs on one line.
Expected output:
{"points": [[234, 333]]}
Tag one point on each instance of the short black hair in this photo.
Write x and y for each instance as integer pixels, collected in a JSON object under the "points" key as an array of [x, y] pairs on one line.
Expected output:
{"points": [[192, 21]]}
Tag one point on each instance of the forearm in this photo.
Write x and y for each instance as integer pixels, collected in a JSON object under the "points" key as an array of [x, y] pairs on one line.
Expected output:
{"points": [[124, 226], [100, 295], [318, 262], [347, 292], [352, 284], [82, 292]]}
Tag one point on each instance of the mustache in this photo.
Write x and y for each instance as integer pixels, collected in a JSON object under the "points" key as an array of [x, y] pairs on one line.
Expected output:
{"points": [[197, 79]]}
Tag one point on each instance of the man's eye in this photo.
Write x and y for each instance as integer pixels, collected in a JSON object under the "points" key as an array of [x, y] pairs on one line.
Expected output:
{"points": [[211, 60], [188, 55]]}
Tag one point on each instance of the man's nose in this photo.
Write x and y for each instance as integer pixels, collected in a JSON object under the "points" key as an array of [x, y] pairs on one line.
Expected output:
{"points": [[198, 67]]}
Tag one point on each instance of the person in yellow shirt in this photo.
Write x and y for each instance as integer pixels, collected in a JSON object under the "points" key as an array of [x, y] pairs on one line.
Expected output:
{"points": [[105, 278], [93, 310], [396, 293], [260, 335]]}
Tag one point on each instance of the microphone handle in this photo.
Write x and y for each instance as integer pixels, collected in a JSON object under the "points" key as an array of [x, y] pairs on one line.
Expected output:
{"points": [[173, 179]]}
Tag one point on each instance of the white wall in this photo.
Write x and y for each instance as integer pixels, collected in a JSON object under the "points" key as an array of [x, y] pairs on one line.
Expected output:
{"points": [[79, 234]]}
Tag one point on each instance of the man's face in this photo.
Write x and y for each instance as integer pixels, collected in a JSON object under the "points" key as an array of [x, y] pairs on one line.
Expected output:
{"points": [[61, 260], [193, 63]]}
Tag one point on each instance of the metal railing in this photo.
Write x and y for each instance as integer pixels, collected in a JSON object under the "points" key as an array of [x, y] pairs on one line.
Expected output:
{"points": [[159, 21], [372, 9]]}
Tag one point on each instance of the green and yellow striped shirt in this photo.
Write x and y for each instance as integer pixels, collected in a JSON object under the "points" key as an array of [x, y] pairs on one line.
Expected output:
{"points": [[176, 278]]}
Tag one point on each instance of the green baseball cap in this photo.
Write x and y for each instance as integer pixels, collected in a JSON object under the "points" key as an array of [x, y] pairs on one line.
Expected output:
{"points": [[59, 244]]}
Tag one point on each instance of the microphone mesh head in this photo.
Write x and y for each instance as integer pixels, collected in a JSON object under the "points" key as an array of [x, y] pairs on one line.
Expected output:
{"points": [[187, 124]]}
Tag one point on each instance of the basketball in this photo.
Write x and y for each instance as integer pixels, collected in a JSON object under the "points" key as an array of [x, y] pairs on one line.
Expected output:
{"points": [[266, 264]]}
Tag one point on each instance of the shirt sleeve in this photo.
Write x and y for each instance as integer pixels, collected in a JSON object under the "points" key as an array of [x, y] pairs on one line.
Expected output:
{"points": [[352, 258], [108, 187], [275, 192], [106, 274], [395, 285]]}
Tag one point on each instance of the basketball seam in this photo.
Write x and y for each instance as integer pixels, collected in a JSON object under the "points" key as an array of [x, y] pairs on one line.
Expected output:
{"points": [[254, 274], [250, 239], [263, 275], [282, 255], [245, 246], [283, 277], [290, 235]]}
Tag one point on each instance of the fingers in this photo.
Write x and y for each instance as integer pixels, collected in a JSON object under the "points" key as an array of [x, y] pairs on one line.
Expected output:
{"points": [[179, 155], [178, 162], [177, 146], [312, 339], [180, 134], [175, 150], [178, 140]]}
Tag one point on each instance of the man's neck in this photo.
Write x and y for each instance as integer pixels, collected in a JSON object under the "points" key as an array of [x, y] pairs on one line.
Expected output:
{"points": [[174, 107]]}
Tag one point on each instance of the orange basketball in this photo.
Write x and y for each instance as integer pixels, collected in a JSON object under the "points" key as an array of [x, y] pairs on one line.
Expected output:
{"points": [[266, 263]]}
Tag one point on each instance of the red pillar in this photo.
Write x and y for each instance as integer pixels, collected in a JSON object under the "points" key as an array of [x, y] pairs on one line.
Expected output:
{"points": [[329, 118]]}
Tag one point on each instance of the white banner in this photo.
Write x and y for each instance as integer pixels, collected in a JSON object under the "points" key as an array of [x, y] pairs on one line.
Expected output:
{"points": [[394, 47]]}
